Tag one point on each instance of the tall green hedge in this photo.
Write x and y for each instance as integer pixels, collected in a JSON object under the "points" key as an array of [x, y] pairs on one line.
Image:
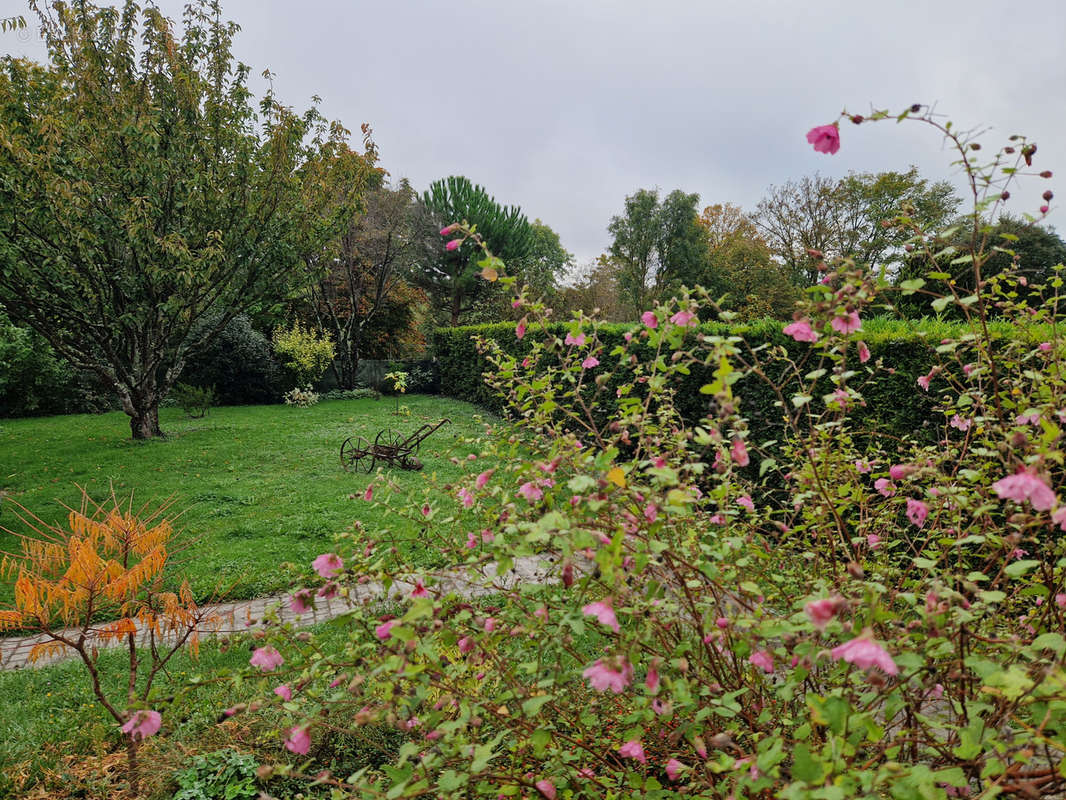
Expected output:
{"points": [[894, 403]]}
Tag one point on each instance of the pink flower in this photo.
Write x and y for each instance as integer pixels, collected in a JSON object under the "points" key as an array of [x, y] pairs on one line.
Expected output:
{"points": [[541, 613], [284, 692], [865, 653], [420, 589], [848, 324], [447, 229], [266, 658], [465, 645], [1060, 600], [530, 491], [747, 503], [453, 244], [873, 540], [1058, 517], [651, 512], [300, 602], [822, 611], [590, 362], [602, 677], [1025, 486], [898, 472], [722, 623], [546, 788], [483, 478], [960, 424], [327, 590], [923, 381], [633, 749], [885, 487], [603, 613], [864, 353], [801, 331], [763, 660], [652, 679], [426, 510], [327, 565], [520, 329], [740, 453], [917, 511], [142, 724], [577, 341], [649, 319], [863, 466], [471, 541], [490, 624], [824, 138], [466, 498], [299, 741], [1044, 346], [673, 769], [684, 318], [1044, 209], [628, 336], [382, 631]]}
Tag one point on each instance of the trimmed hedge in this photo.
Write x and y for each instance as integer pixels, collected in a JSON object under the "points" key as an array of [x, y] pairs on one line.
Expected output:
{"points": [[894, 403]]}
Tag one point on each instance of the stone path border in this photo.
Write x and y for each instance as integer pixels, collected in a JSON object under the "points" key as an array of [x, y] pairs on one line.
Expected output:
{"points": [[246, 615]]}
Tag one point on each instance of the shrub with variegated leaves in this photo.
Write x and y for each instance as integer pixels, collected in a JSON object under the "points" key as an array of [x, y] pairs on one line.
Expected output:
{"points": [[644, 607]]}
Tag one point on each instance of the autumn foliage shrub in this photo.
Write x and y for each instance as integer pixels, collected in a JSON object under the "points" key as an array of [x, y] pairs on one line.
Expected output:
{"points": [[635, 619], [99, 582]]}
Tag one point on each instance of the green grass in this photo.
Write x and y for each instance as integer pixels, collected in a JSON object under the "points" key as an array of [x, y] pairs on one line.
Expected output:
{"points": [[258, 485]]}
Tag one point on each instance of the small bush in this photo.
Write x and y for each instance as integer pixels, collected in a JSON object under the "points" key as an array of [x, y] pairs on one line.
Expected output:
{"points": [[222, 775], [193, 400], [362, 393], [304, 353], [301, 398]]}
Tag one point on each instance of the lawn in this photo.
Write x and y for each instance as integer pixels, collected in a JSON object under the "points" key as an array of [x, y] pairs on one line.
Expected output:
{"points": [[257, 485]]}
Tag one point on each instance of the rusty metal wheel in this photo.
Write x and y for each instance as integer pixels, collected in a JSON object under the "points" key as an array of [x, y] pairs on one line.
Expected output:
{"points": [[357, 455]]}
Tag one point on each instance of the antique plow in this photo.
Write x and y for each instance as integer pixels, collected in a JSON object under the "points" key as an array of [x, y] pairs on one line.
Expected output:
{"points": [[389, 447]]}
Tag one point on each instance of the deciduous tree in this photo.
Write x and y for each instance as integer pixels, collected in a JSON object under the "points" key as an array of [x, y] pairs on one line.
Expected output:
{"points": [[141, 190]]}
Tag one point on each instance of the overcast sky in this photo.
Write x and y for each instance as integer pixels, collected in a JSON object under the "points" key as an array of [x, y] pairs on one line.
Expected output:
{"points": [[566, 107]]}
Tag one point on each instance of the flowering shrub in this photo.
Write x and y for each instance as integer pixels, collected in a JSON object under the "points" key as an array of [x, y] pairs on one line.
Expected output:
{"points": [[640, 616]]}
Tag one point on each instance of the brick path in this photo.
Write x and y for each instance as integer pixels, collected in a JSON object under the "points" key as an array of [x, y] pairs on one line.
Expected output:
{"points": [[244, 615]]}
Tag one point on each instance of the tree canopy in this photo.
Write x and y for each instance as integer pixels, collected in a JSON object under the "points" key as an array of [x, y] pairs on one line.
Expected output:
{"points": [[141, 191]]}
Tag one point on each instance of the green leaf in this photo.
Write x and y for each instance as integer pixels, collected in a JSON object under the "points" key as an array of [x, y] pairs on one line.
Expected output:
{"points": [[532, 706], [913, 285], [940, 303], [1050, 641], [804, 766], [1018, 568]]}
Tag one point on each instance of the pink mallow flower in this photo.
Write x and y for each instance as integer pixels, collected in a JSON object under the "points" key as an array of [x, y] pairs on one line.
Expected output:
{"points": [[577, 341], [923, 381], [801, 331], [602, 677], [590, 362], [961, 424], [633, 749], [531, 491], [885, 487], [684, 319], [299, 741], [284, 692], [420, 589], [824, 139], [865, 653], [864, 353], [267, 659], [382, 631], [917, 511], [142, 724], [546, 788], [763, 660], [898, 472], [820, 612], [465, 497], [300, 602], [520, 329], [327, 565], [847, 324], [674, 768], [603, 613], [649, 319], [453, 244], [368, 495], [740, 453], [746, 502], [1023, 486], [483, 478]]}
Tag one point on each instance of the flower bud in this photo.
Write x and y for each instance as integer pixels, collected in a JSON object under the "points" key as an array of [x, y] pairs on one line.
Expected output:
{"points": [[916, 108], [857, 118], [855, 570], [1005, 196], [1048, 195], [1045, 174], [453, 244]]}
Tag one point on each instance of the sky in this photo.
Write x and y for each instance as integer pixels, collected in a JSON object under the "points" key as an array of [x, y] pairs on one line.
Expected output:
{"points": [[566, 107]]}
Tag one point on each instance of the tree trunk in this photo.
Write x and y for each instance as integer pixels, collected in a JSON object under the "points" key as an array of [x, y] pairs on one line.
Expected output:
{"points": [[145, 423]]}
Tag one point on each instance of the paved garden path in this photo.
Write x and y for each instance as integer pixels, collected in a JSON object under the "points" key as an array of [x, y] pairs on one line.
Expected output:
{"points": [[244, 615]]}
